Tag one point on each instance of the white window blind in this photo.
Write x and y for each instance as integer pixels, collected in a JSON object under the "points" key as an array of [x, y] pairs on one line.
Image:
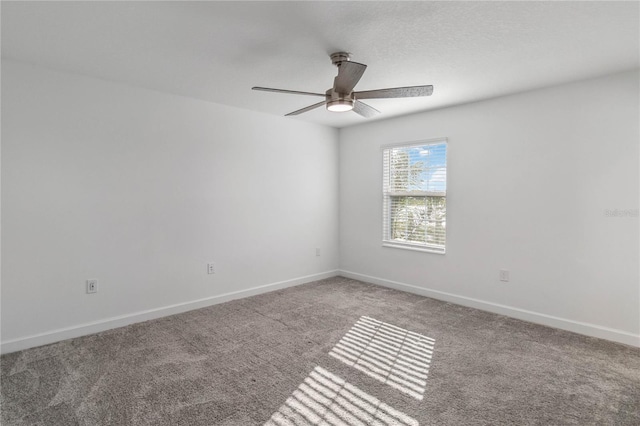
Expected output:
{"points": [[415, 196]]}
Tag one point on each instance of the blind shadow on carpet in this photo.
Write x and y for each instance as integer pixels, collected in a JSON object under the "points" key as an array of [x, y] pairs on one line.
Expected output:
{"points": [[392, 355]]}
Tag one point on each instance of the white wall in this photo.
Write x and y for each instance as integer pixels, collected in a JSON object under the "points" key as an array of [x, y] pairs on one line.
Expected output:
{"points": [[140, 190], [530, 177]]}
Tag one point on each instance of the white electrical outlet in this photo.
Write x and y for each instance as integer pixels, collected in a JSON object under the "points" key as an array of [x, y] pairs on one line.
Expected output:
{"points": [[92, 286], [211, 268], [504, 275], [317, 251]]}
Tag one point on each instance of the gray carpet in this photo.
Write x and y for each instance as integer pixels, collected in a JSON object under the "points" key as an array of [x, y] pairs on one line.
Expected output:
{"points": [[333, 352]]}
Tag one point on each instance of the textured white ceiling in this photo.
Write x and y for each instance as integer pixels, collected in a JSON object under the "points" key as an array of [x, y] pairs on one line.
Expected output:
{"points": [[217, 51]]}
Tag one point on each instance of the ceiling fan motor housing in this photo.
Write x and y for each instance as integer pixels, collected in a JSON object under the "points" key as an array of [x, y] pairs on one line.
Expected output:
{"points": [[339, 102]]}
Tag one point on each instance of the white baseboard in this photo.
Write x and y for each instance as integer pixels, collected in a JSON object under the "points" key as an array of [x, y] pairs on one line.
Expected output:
{"points": [[123, 320], [587, 329]]}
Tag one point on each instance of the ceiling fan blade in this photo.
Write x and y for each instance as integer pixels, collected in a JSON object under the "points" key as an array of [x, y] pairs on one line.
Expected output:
{"points": [[349, 73], [309, 108], [395, 92], [293, 92], [365, 110]]}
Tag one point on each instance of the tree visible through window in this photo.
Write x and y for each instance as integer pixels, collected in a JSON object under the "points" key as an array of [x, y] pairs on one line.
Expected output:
{"points": [[415, 195]]}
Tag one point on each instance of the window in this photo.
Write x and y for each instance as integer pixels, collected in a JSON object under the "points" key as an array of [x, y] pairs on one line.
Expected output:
{"points": [[415, 195]]}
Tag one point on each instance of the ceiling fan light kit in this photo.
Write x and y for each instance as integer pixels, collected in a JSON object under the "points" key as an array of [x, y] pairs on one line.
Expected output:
{"points": [[340, 105], [342, 98]]}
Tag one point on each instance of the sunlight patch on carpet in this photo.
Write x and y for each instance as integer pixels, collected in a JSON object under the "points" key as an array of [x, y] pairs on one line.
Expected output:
{"points": [[325, 399], [390, 354]]}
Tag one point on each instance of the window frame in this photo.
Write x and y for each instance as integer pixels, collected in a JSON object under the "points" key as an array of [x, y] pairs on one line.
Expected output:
{"points": [[387, 195]]}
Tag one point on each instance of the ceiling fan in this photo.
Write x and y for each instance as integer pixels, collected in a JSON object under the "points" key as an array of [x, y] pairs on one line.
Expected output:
{"points": [[341, 96]]}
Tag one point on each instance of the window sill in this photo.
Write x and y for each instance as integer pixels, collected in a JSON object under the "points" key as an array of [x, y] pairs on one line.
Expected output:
{"points": [[413, 247]]}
